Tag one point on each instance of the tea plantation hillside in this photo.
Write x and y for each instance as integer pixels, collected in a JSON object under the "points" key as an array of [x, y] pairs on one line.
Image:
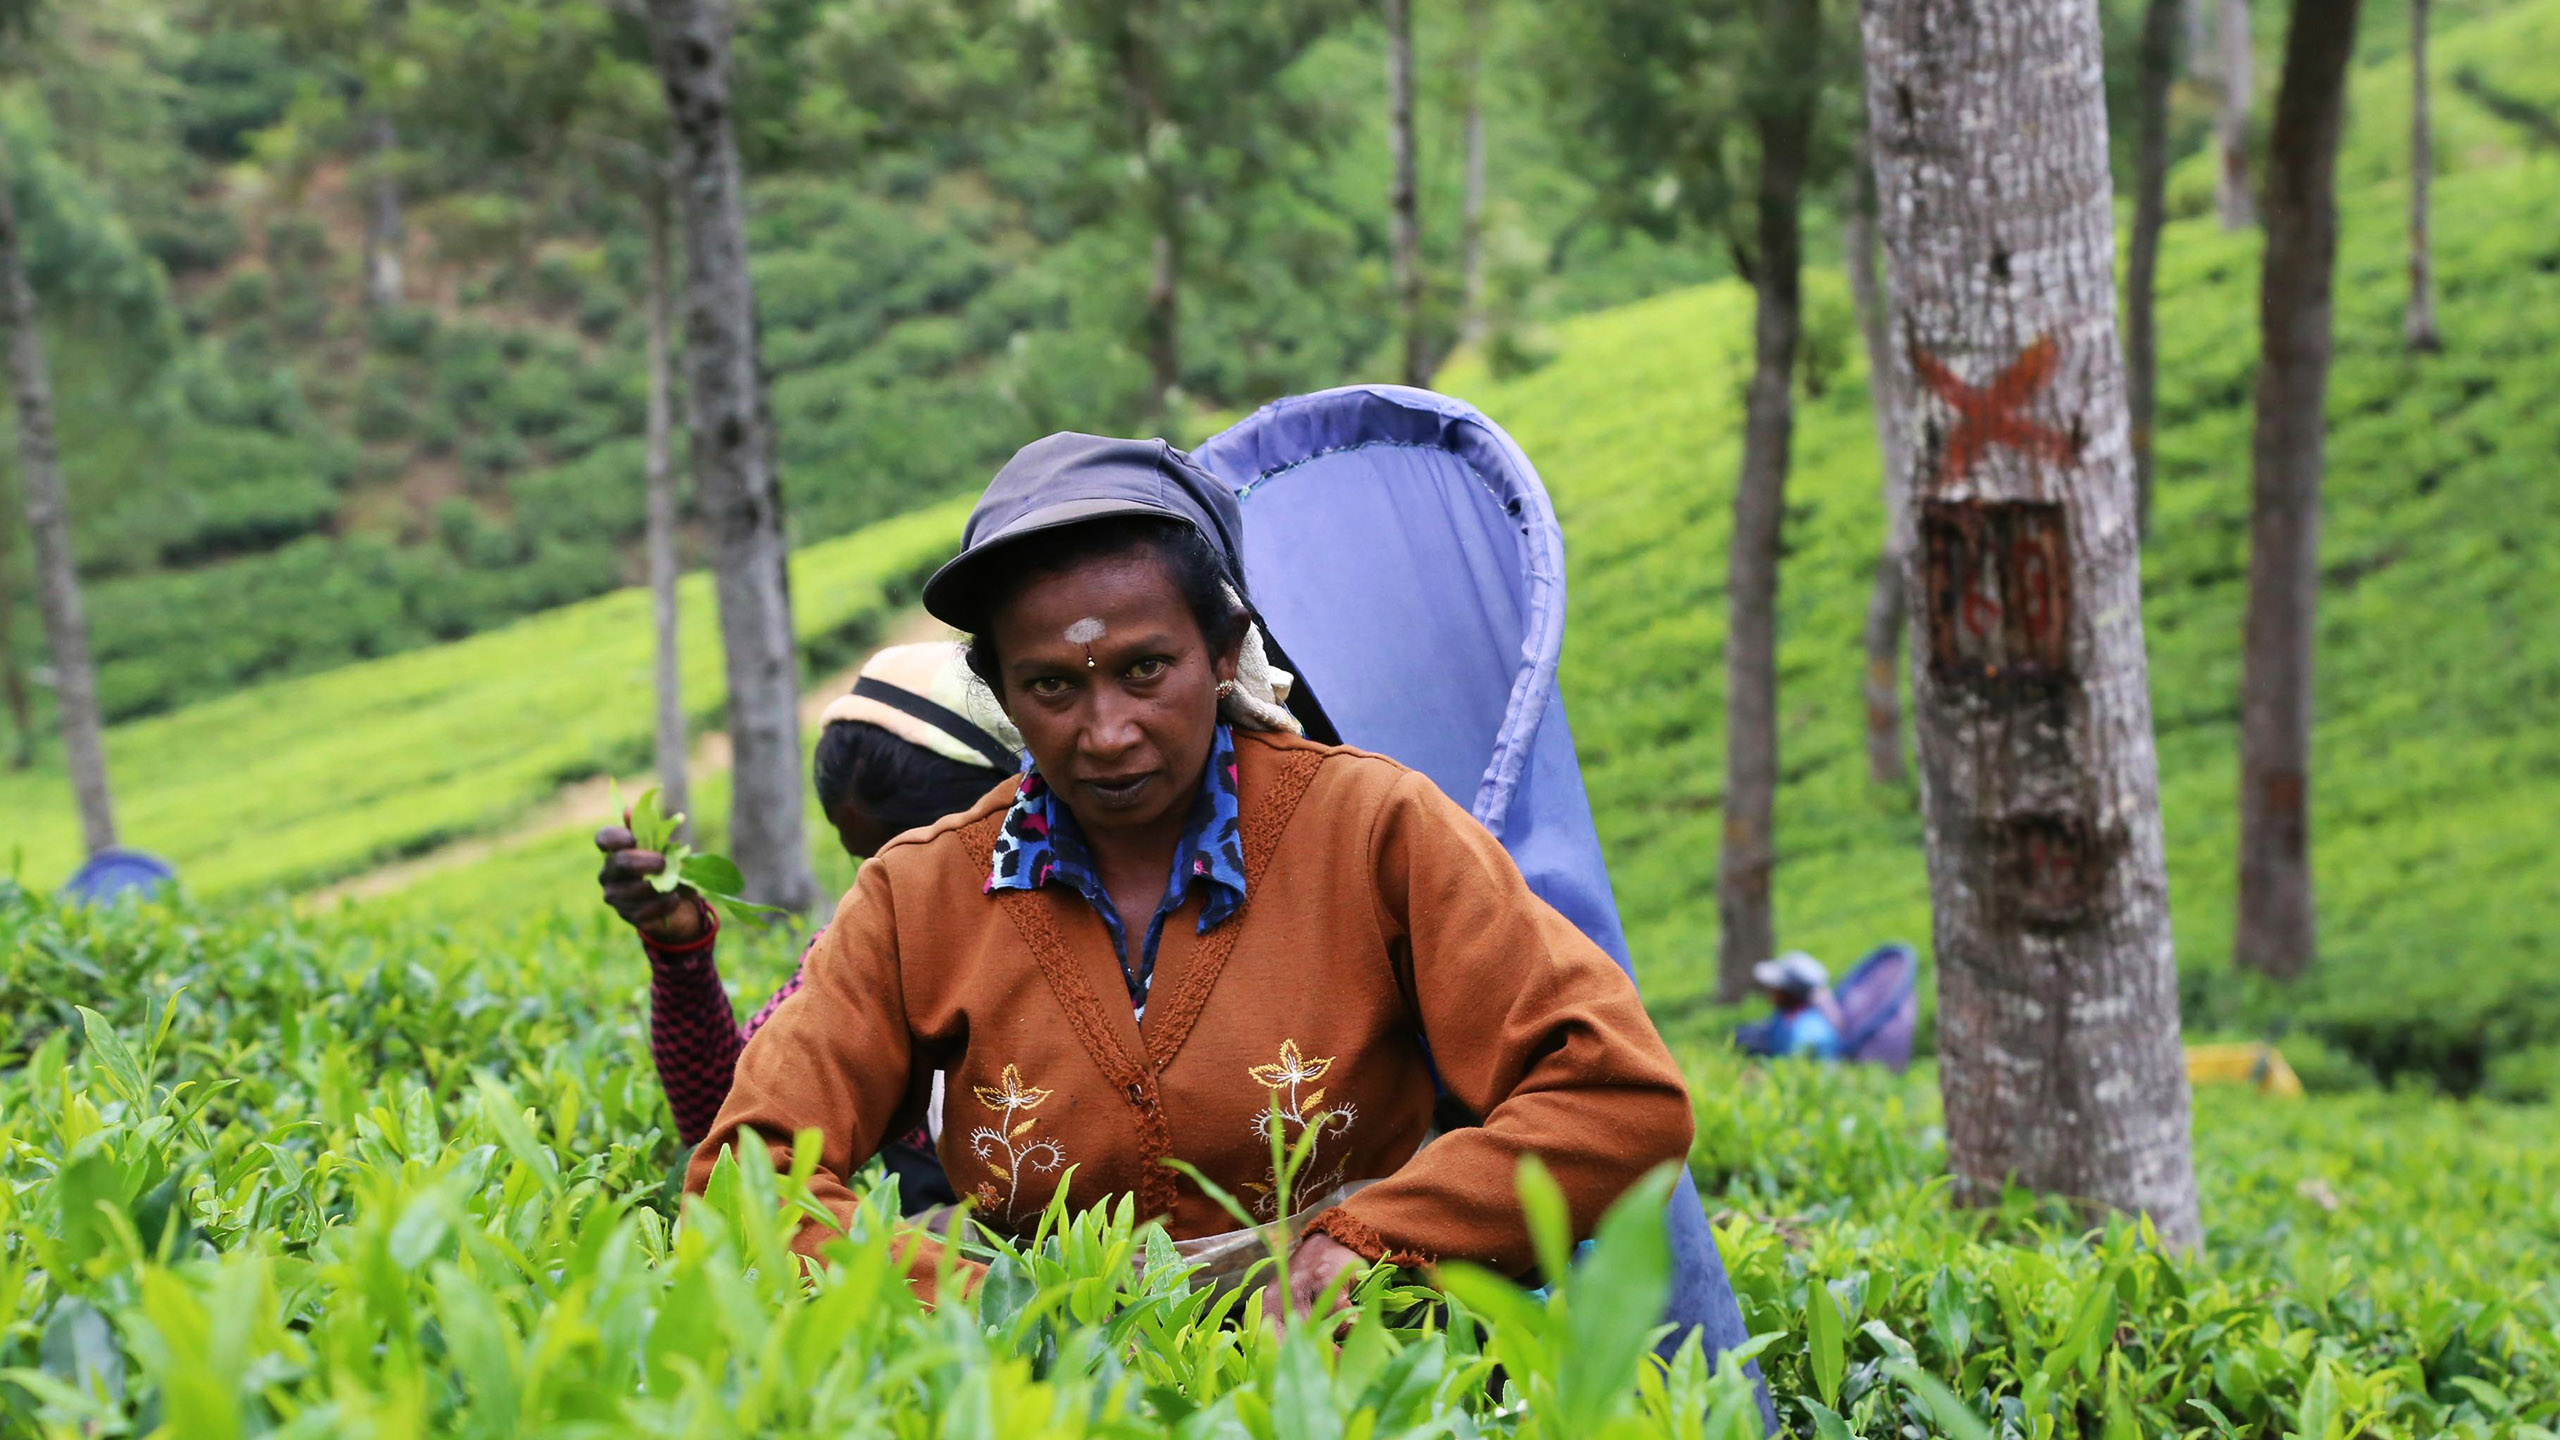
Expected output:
{"points": [[302, 781], [2439, 767], [2436, 777], [2438, 771]]}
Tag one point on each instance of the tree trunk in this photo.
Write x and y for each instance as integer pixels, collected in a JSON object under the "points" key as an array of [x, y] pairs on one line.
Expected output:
{"points": [[66, 624], [2142, 263], [2198, 17], [1133, 50], [1471, 321], [2232, 200], [2421, 328], [2058, 1044], [659, 469], [1403, 202], [1785, 121], [13, 673], [1164, 312], [1885, 608], [384, 232], [734, 475], [2277, 931]]}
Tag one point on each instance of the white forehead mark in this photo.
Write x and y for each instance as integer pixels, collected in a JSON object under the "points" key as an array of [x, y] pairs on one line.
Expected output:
{"points": [[1085, 631]]}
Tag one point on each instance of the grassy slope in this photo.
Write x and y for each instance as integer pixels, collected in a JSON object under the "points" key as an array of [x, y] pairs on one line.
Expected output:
{"points": [[305, 780], [2438, 770]]}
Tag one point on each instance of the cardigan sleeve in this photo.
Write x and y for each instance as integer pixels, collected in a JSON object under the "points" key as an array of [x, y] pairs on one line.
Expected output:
{"points": [[834, 1056], [1530, 1024]]}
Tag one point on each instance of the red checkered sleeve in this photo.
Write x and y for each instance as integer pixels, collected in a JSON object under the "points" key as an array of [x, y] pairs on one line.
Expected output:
{"points": [[693, 1034]]}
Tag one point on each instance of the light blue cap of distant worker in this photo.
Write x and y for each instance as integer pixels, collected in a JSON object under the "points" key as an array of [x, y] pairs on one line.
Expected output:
{"points": [[1794, 973]]}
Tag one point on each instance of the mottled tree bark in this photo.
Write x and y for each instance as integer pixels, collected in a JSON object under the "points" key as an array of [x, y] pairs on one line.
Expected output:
{"points": [[2058, 1043], [734, 475], [384, 231], [2232, 200], [2277, 926], [1885, 608], [2142, 261], [66, 624], [1784, 119], [1164, 309], [13, 671], [658, 468], [1404, 206], [1471, 320], [2421, 326]]}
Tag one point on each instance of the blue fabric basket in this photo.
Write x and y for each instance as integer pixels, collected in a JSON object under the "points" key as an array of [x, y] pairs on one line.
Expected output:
{"points": [[1410, 564]]}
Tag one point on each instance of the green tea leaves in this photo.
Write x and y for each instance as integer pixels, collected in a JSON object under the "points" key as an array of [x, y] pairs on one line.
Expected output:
{"points": [[715, 877]]}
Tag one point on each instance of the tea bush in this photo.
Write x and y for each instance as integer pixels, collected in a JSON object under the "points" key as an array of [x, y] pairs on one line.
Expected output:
{"points": [[369, 1176], [353, 1181]]}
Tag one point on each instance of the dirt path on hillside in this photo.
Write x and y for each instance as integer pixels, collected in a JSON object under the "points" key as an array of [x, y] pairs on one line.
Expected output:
{"points": [[587, 799]]}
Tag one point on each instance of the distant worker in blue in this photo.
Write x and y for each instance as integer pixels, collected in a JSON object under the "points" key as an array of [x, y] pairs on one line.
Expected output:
{"points": [[1796, 984]]}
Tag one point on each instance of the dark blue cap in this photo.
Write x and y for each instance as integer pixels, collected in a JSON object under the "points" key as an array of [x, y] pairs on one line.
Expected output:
{"points": [[1070, 479]]}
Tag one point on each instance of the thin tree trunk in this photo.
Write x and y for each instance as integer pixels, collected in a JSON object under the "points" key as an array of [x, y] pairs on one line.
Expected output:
{"points": [[1133, 49], [66, 624], [13, 671], [2058, 1044], [2277, 928], [2232, 200], [2142, 263], [734, 475], [2421, 328], [384, 231], [1885, 608], [1164, 312], [659, 468], [1403, 201], [1785, 122], [2198, 17], [1471, 323]]}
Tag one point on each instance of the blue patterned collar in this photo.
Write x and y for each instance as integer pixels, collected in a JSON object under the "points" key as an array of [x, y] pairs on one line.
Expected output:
{"points": [[1039, 843]]}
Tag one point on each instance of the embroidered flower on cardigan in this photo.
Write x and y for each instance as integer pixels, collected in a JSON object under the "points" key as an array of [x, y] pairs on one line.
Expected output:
{"points": [[1007, 1146], [1298, 1114]]}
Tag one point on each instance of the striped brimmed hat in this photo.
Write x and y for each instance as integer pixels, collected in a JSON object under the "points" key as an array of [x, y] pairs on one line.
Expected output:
{"points": [[926, 695]]}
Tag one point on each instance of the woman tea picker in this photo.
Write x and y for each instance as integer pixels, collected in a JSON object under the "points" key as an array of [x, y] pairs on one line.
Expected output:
{"points": [[1175, 922]]}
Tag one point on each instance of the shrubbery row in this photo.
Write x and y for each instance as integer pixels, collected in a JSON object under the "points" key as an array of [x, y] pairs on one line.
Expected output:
{"points": [[340, 1177]]}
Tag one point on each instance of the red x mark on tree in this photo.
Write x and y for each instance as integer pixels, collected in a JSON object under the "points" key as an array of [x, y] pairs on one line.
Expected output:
{"points": [[1989, 415]]}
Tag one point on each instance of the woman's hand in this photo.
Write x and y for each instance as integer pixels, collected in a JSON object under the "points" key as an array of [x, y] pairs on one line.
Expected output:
{"points": [[1315, 1264], [669, 917]]}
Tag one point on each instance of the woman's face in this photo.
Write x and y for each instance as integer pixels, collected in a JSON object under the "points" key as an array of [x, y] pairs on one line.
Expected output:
{"points": [[1123, 738]]}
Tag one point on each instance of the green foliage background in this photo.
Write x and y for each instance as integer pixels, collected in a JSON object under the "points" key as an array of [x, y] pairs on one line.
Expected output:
{"points": [[402, 1169]]}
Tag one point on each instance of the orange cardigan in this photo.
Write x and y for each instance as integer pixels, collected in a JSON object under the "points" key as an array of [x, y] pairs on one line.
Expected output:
{"points": [[1376, 912]]}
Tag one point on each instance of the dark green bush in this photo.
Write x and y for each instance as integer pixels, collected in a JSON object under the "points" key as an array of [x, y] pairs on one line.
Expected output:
{"points": [[234, 81], [536, 400], [385, 406], [491, 457], [408, 330]]}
